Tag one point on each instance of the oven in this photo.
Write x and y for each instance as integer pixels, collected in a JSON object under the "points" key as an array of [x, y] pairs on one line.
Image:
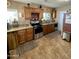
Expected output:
{"points": [[37, 29]]}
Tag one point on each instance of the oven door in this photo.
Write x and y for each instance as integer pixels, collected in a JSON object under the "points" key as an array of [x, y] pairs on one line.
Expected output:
{"points": [[38, 29]]}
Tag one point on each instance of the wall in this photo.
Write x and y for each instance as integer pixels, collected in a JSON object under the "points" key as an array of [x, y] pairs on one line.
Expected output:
{"points": [[19, 6], [59, 18]]}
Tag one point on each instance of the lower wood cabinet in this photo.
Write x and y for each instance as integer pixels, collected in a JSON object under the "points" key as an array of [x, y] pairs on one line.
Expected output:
{"points": [[11, 40], [45, 29], [17, 38], [21, 36], [48, 28], [29, 34]]}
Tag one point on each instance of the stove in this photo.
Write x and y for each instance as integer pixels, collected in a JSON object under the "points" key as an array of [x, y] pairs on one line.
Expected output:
{"points": [[38, 30]]}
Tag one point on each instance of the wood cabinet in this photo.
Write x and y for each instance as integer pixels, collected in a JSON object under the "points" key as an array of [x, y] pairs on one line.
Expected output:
{"points": [[29, 34], [27, 11], [11, 40], [19, 37], [48, 28], [45, 29]]}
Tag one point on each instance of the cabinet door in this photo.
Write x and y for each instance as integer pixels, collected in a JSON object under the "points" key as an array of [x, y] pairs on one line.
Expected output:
{"points": [[29, 34], [45, 29], [53, 28], [27, 13], [17, 38], [21, 36], [11, 40], [48, 28]]}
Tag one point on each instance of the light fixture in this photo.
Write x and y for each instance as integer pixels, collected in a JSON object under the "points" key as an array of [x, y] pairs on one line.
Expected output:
{"points": [[40, 6], [28, 4]]}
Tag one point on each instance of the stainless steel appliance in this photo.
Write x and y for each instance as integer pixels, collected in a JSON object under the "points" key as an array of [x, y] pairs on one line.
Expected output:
{"points": [[38, 30]]}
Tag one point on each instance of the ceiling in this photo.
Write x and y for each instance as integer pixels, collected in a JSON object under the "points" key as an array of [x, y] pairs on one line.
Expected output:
{"points": [[49, 3]]}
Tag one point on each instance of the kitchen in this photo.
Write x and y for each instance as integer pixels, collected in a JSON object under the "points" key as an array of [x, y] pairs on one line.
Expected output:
{"points": [[33, 31]]}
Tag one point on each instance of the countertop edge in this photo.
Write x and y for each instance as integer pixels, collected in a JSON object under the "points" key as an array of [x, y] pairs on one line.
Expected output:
{"points": [[49, 23], [18, 28]]}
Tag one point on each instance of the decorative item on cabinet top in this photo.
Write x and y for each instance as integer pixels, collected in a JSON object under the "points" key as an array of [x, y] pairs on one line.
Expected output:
{"points": [[54, 13]]}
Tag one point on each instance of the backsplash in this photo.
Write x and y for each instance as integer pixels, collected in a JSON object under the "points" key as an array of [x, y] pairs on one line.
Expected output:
{"points": [[23, 22]]}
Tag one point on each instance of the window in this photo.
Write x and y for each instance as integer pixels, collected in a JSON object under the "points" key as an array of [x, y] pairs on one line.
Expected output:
{"points": [[11, 15], [47, 16]]}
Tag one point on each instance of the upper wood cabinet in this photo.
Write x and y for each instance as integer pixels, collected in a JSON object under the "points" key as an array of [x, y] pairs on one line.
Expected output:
{"points": [[27, 11]]}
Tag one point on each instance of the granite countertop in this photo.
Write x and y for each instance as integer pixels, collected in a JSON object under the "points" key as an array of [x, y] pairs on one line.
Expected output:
{"points": [[49, 23], [19, 28]]}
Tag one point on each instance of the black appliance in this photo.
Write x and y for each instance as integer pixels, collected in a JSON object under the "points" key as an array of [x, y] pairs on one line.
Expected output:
{"points": [[37, 26]]}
